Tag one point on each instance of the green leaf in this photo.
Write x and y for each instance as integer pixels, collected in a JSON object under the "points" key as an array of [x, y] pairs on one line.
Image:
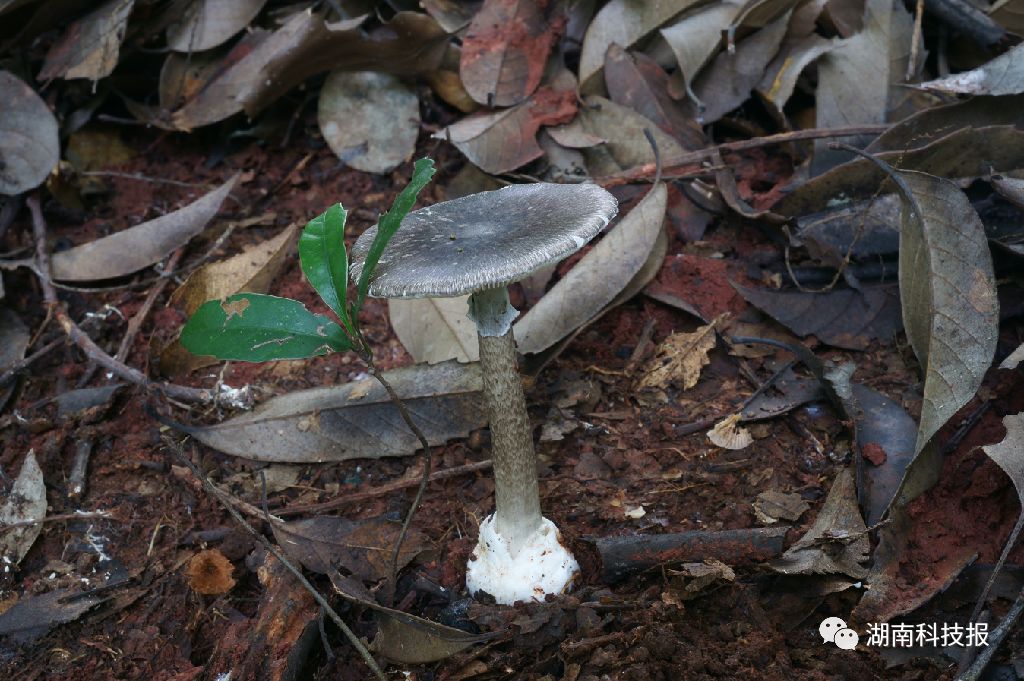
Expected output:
{"points": [[256, 328], [324, 259], [423, 171]]}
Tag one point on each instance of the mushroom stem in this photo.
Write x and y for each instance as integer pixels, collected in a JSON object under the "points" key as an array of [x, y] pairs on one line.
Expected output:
{"points": [[516, 493]]}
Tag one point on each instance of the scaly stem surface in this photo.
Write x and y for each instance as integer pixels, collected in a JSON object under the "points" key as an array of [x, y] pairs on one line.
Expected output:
{"points": [[516, 493]]}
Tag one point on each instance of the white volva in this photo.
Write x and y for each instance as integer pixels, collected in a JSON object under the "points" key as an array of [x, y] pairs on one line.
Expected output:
{"points": [[542, 566]]}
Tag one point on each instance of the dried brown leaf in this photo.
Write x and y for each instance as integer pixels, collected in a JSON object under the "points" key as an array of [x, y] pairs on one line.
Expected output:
{"points": [[90, 46], [1004, 75], [506, 48], [354, 420], [679, 359], [133, 249], [597, 278], [26, 501]]}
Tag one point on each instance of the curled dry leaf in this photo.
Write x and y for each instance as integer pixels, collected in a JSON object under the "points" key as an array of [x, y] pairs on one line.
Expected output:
{"points": [[860, 80], [732, 75], [1009, 453], [370, 120], [1004, 75], [209, 573], [501, 141], [29, 141], [435, 329], [679, 359], [26, 501], [31, 617], [728, 434], [696, 37], [267, 64], [89, 47], [625, 145], [208, 23], [355, 420], [780, 78], [637, 82], [622, 22], [597, 278], [837, 542], [506, 48], [133, 249]]}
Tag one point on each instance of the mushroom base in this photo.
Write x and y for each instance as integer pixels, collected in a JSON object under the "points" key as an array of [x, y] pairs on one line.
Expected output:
{"points": [[543, 566]]}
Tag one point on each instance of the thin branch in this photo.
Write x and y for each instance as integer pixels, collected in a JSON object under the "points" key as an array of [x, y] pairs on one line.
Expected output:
{"points": [[354, 497], [691, 158], [317, 596], [82, 339]]}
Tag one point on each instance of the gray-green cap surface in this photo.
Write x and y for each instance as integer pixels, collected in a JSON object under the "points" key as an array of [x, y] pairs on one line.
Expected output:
{"points": [[485, 240]]}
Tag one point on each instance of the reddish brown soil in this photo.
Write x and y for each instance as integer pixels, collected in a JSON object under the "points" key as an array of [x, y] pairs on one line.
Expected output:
{"points": [[627, 453]]}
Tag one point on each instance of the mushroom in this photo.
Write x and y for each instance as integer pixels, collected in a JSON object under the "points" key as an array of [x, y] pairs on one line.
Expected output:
{"points": [[479, 244]]}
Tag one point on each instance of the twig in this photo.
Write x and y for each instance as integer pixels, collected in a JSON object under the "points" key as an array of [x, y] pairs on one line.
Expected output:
{"points": [[16, 368], [136, 321], [367, 356], [60, 517], [79, 468], [145, 178], [706, 154], [915, 41], [353, 497], [81, 339], [317, 596], [995, 638]]}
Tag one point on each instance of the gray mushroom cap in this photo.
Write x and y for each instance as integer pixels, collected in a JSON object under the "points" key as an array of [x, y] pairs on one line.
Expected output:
{"points": [[485, 240]]}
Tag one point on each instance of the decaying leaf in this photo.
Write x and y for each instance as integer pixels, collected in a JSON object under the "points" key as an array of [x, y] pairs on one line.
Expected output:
{"points": [[251, 270], [408, 639], [25, 502], [837, 542], [637, 82], [137, 247], [679, 359], [265, 65], [773, 506], [31, 617], [25, 116], [208, 23], [787, 392], [695, 38], [623, 22], [89, 47], [967, 152], [435, 329], [728, 434], [727, 83], [1004, 75], [597, 278], [505, 50], [370, 120], [625, 144], [693, 580], [14, 339], [948, 293], [355, 420], [780, 78], [361, 548], [859, 81], [501, 141], [209, 573], [860, 230], [844, 318]]}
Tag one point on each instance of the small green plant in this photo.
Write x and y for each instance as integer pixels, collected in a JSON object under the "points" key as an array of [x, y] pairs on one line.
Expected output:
{"points": [[253, 327]]}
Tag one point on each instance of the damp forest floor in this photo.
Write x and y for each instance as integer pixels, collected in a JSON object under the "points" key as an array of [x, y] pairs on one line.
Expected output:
{"points": [[629, 466]]}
